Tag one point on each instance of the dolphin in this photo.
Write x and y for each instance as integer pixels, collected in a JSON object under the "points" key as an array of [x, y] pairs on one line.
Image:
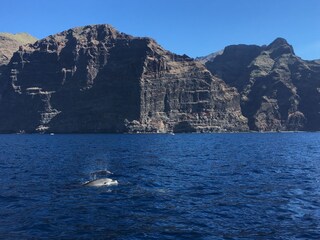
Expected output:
{"points": [[101, 182]]}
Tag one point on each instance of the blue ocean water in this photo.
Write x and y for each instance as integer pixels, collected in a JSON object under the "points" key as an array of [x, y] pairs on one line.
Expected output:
{"points": [[186, 186]]}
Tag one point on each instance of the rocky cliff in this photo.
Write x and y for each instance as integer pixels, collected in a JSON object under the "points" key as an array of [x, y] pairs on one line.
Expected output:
{"points": [[9, 43], [279, 90], [96, 79]]}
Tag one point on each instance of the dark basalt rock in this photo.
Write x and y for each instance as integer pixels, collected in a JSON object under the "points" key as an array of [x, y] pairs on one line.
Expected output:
{"points": [[279, 91], [96, 79]]}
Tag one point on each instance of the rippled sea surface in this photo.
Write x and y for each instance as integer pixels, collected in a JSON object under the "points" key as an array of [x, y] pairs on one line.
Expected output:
{"points": [[183, 186]]}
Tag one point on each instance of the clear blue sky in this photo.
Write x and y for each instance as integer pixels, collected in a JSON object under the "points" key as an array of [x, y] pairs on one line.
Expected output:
{"points": [[193, 27]]}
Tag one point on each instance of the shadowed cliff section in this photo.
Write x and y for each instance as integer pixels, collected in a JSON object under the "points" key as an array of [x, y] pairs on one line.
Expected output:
{"points": [[96, 79], [279, 91]]}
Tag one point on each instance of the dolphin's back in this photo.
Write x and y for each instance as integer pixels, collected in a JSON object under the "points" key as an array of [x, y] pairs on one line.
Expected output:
{"points": [[101, 182]]}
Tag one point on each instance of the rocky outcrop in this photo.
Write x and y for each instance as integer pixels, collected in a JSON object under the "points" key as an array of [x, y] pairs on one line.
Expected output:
{"points": [[9, 43], [209, 58], [96, 79], [279, 91]]}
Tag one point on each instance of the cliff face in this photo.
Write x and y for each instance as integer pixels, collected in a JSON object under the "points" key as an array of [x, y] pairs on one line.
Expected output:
{"points": [[279, 91], [180, 94], [96, 79]]}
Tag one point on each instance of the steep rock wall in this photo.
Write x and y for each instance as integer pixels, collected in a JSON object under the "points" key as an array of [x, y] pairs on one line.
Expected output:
{"points": [[96, 79], [279, 91]]}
